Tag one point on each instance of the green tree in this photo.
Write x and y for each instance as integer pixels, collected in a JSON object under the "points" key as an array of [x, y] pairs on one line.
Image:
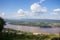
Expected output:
{"points": [[56, 38], [42, 37], [2, 23]]}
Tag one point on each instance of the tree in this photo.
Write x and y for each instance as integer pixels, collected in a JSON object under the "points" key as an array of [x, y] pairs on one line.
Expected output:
{"points": [[56, 38], [2, 23], [42, 37]]}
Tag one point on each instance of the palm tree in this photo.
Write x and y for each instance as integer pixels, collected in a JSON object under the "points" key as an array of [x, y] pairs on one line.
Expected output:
{"points": [[2, 23]]}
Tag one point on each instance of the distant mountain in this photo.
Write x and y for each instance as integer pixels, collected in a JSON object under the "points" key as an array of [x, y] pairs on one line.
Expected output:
{"points": [[33, 20]]}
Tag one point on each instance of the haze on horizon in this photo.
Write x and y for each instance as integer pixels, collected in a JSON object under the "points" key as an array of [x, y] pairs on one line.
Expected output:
{"points": [[30, 9]]}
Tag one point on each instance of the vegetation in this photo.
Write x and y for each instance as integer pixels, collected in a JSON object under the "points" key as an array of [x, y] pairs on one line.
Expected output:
{"points": [[2, 23], [56, 38], [37, 24], [18, 35]]}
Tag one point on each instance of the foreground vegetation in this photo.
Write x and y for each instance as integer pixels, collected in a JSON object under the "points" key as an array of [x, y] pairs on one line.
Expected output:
{"points": [[18, 35]]}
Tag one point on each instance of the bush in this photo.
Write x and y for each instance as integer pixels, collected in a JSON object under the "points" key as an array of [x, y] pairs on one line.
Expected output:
{"points": [[2, 23], [56, 38]]}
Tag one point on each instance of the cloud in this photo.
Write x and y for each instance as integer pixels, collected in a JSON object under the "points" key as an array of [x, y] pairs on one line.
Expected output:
{"points": [[37, 12], [56, 11], [37, 8], [22, 12], [25, 14], [55, 14], [2, 14], [41, 1]]}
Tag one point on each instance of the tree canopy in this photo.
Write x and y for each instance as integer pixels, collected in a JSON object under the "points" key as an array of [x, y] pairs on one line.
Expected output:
{"points": [[2, 23]]}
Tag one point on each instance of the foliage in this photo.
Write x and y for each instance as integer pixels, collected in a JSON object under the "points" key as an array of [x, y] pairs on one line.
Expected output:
{"points": [[13, 35], [23, 36], [2, 23], [56, 38]]}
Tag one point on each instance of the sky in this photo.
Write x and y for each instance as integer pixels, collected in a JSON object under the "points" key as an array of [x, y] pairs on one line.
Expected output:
{"points": [[30, 9]]}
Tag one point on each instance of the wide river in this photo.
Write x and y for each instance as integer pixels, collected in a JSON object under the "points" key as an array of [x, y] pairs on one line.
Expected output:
{"points": [[33, 29]]}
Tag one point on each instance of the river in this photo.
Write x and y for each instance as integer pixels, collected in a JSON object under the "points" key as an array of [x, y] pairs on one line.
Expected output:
{"points": [[32, 29]]}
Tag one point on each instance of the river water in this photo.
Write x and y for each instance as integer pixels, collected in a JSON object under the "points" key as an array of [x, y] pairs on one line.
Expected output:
{"points": [[33, 29]]}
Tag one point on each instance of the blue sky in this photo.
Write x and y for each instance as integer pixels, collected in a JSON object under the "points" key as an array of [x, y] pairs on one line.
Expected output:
{"points": [[30, 9]]}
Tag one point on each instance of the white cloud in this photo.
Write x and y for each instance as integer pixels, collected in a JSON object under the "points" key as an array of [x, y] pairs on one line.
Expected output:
{"points": [[25, 14], [2, 14], [52, 15], [41, 1], [36, 12], [37, 8], [55, 14], [22, 12], [56, 10]]}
